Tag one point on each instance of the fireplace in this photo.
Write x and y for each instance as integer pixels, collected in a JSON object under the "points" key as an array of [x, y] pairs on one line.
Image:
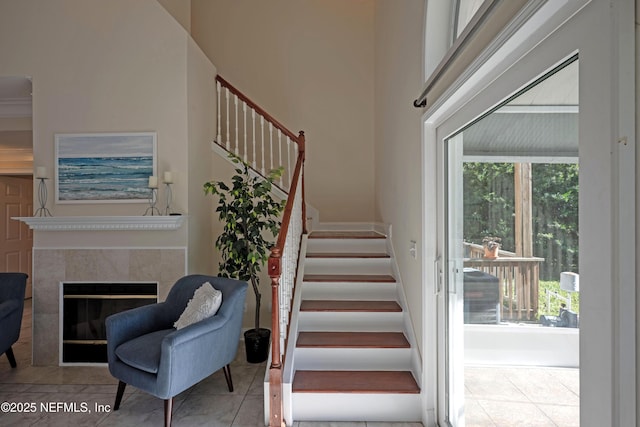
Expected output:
{"points": [[84, 308], [100, 249]]}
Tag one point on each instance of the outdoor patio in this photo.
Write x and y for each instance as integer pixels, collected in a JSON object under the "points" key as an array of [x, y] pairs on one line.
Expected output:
{"points": [[521, 396]]}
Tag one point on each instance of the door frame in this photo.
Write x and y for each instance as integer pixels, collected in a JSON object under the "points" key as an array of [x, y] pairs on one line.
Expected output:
{"points": [[603, 35]]}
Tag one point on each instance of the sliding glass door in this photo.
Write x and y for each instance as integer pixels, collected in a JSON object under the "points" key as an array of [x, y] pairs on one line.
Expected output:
{"points": [[495, 308]]}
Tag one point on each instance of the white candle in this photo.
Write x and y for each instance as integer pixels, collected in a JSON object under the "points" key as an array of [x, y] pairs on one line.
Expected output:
{"points": [[153, 182], [168, 178], [41, 172]]}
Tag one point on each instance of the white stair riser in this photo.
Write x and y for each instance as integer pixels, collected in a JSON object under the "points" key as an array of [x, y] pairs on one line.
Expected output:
{"points": [[353, 359], [356, 407], [375, 266], [346, 322], [350, 291], [347, 245]]}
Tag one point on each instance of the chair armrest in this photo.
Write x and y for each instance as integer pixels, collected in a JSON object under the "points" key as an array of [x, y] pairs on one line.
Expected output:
{"points": [[195, 352], [8, 307], [126, 325]]}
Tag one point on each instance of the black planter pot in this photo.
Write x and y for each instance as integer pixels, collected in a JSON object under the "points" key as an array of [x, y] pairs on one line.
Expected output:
{"points": [[256, 342]]}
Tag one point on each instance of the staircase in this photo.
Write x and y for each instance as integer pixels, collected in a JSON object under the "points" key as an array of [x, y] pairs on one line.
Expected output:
{"points": [[351, 358], [350, 353]]}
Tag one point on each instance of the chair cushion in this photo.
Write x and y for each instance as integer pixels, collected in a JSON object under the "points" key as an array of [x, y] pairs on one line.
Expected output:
{"points": [[205, 303], [143, 352]]}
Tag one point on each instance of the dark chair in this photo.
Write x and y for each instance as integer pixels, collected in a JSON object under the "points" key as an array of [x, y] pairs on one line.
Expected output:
{"points": [[12, 288], [146, 351]]}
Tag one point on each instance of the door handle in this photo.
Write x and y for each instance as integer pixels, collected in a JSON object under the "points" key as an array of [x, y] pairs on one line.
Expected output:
{"points": [[437, 275]]}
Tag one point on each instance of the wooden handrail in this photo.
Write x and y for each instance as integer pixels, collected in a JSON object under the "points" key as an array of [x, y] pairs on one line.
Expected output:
{"points": [[259, 110], [286, 218], [275, 273], [277, 252]]}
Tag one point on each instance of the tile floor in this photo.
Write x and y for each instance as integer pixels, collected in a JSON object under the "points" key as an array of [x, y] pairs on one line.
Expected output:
{"points": [[521, 396], [494, 396], [208, 403]]}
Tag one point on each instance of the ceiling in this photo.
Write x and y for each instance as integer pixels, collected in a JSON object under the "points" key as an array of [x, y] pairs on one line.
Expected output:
{"points": [[540, 125]]}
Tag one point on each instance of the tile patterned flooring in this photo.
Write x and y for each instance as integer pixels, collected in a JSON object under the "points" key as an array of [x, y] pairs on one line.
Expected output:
{"points": [[494, 396], [521, 396]]}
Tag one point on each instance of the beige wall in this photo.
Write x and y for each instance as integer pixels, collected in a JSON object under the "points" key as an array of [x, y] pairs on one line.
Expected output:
{"points": [[201, 95], [15, 124], [112, 66], [310, 64], [637, 137], [98, 67], [180, 10], [399, 59], [16, 152]]}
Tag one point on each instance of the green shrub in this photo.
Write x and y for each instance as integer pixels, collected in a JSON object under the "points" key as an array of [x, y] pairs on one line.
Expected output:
{"points": [[554, 286]]}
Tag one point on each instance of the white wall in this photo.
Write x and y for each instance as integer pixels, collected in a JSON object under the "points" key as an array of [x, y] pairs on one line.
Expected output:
{"points": [[398, 178]]}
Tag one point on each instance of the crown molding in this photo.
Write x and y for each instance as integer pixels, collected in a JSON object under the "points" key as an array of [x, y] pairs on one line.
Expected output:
{"points": [[104, 223], [15, 107]]}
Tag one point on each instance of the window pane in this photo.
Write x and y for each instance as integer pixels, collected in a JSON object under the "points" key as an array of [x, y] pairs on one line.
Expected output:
{"points": [[466, 10]]}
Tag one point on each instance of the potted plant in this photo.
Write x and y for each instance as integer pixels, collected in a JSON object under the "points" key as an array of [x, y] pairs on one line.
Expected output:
{"points": [[249, 214], [491, 246]]}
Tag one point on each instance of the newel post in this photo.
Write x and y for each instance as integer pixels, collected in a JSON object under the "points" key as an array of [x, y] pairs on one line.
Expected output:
{"points": [[275, 369]]}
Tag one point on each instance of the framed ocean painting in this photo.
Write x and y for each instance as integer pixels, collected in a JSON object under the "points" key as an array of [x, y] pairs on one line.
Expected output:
{"points": [[104, 167]]}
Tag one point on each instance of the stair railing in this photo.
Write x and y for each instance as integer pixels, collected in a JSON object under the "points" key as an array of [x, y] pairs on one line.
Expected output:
{"points": [[251, 134], [248, 131], [283, 267]]}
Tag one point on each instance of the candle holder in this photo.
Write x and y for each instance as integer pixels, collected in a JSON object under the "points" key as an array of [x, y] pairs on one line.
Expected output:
{"points": [[42, 199], [153, 199], [169, 196]]}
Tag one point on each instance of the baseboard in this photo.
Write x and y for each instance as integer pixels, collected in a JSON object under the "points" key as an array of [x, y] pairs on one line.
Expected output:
{"points": [[351, 226]]}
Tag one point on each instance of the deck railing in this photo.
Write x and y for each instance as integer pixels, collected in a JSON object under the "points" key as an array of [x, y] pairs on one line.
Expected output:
{"points": [[518, 279], [249, 132]]}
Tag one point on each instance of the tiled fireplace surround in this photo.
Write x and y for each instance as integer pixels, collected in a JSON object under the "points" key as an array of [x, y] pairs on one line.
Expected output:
{"points": [[72, 256]]}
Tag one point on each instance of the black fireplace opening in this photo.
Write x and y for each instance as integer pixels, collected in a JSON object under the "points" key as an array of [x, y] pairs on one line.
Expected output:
{"points": [[85, 306]]}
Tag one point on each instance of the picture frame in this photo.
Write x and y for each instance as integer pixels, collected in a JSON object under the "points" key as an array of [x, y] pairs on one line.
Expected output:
{"points": [[104, 167]]}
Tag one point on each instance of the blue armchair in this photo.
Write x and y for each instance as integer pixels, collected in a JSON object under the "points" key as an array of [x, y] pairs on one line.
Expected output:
{"points": [[12, 288], [146, 351]]}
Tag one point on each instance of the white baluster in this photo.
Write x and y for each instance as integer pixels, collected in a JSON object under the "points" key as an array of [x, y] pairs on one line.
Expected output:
{"points": [[280, 153], [227, 119], [236, 123], [219, 134], [262, 132], [244, 115], [271, 145], [289, 171], [253, 127]]}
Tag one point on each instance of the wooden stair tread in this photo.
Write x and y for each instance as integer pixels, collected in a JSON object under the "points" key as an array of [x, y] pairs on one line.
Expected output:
{"points": [[355, 382], [352, 340], [377, 278], [349, 306], [347, 255], [346, 235]]}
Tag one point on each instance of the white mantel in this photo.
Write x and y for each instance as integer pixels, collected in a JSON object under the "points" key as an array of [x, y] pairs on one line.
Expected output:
{"points": [[103, 223]]}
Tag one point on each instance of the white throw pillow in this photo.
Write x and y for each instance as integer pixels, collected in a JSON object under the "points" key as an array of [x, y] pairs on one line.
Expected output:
{"points": [[205, 303]]}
